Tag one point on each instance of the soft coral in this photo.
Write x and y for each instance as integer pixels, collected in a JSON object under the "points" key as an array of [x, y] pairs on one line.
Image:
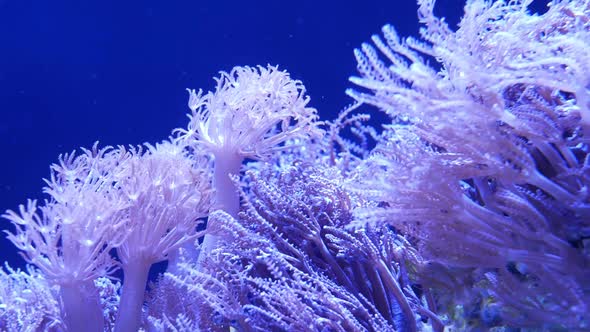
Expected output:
{"points": [[69, 237], [252, 112]]}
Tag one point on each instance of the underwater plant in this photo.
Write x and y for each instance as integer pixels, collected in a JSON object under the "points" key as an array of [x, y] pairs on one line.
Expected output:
{"points": [[468, 210]]}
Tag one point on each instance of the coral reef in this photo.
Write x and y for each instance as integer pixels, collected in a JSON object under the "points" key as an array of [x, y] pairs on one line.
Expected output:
{"points": [[468, 210]]}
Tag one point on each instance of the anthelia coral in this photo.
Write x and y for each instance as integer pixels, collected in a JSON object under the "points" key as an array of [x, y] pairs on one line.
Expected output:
{"points": [[167, 193], [251, 113], [468, 210], [69, 237]]}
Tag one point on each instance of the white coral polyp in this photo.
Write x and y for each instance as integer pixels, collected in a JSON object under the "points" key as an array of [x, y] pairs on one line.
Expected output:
{"points": [[250, 113]]}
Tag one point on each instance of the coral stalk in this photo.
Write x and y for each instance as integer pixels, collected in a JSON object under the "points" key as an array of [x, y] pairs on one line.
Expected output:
{"points": [[130, 308], [81, 303], [227, 197]]}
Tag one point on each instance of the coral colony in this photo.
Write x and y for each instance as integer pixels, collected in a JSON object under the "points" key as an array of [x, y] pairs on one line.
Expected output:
{"points": [[468, 210]]}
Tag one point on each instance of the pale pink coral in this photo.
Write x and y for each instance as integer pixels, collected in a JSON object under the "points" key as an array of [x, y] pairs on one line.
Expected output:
{"points": [[69, 237], [251, 114], [168, 193]]}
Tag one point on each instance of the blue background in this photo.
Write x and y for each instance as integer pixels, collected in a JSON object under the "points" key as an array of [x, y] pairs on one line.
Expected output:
{"points": [[74, 72]]}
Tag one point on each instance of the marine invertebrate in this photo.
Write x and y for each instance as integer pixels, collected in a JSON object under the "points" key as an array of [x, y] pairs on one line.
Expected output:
{"points": [[486, 163], [104, 199], [28, 301], [69, 237], [249, 115], [168, 193], [289, 262], [435, 226]]}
